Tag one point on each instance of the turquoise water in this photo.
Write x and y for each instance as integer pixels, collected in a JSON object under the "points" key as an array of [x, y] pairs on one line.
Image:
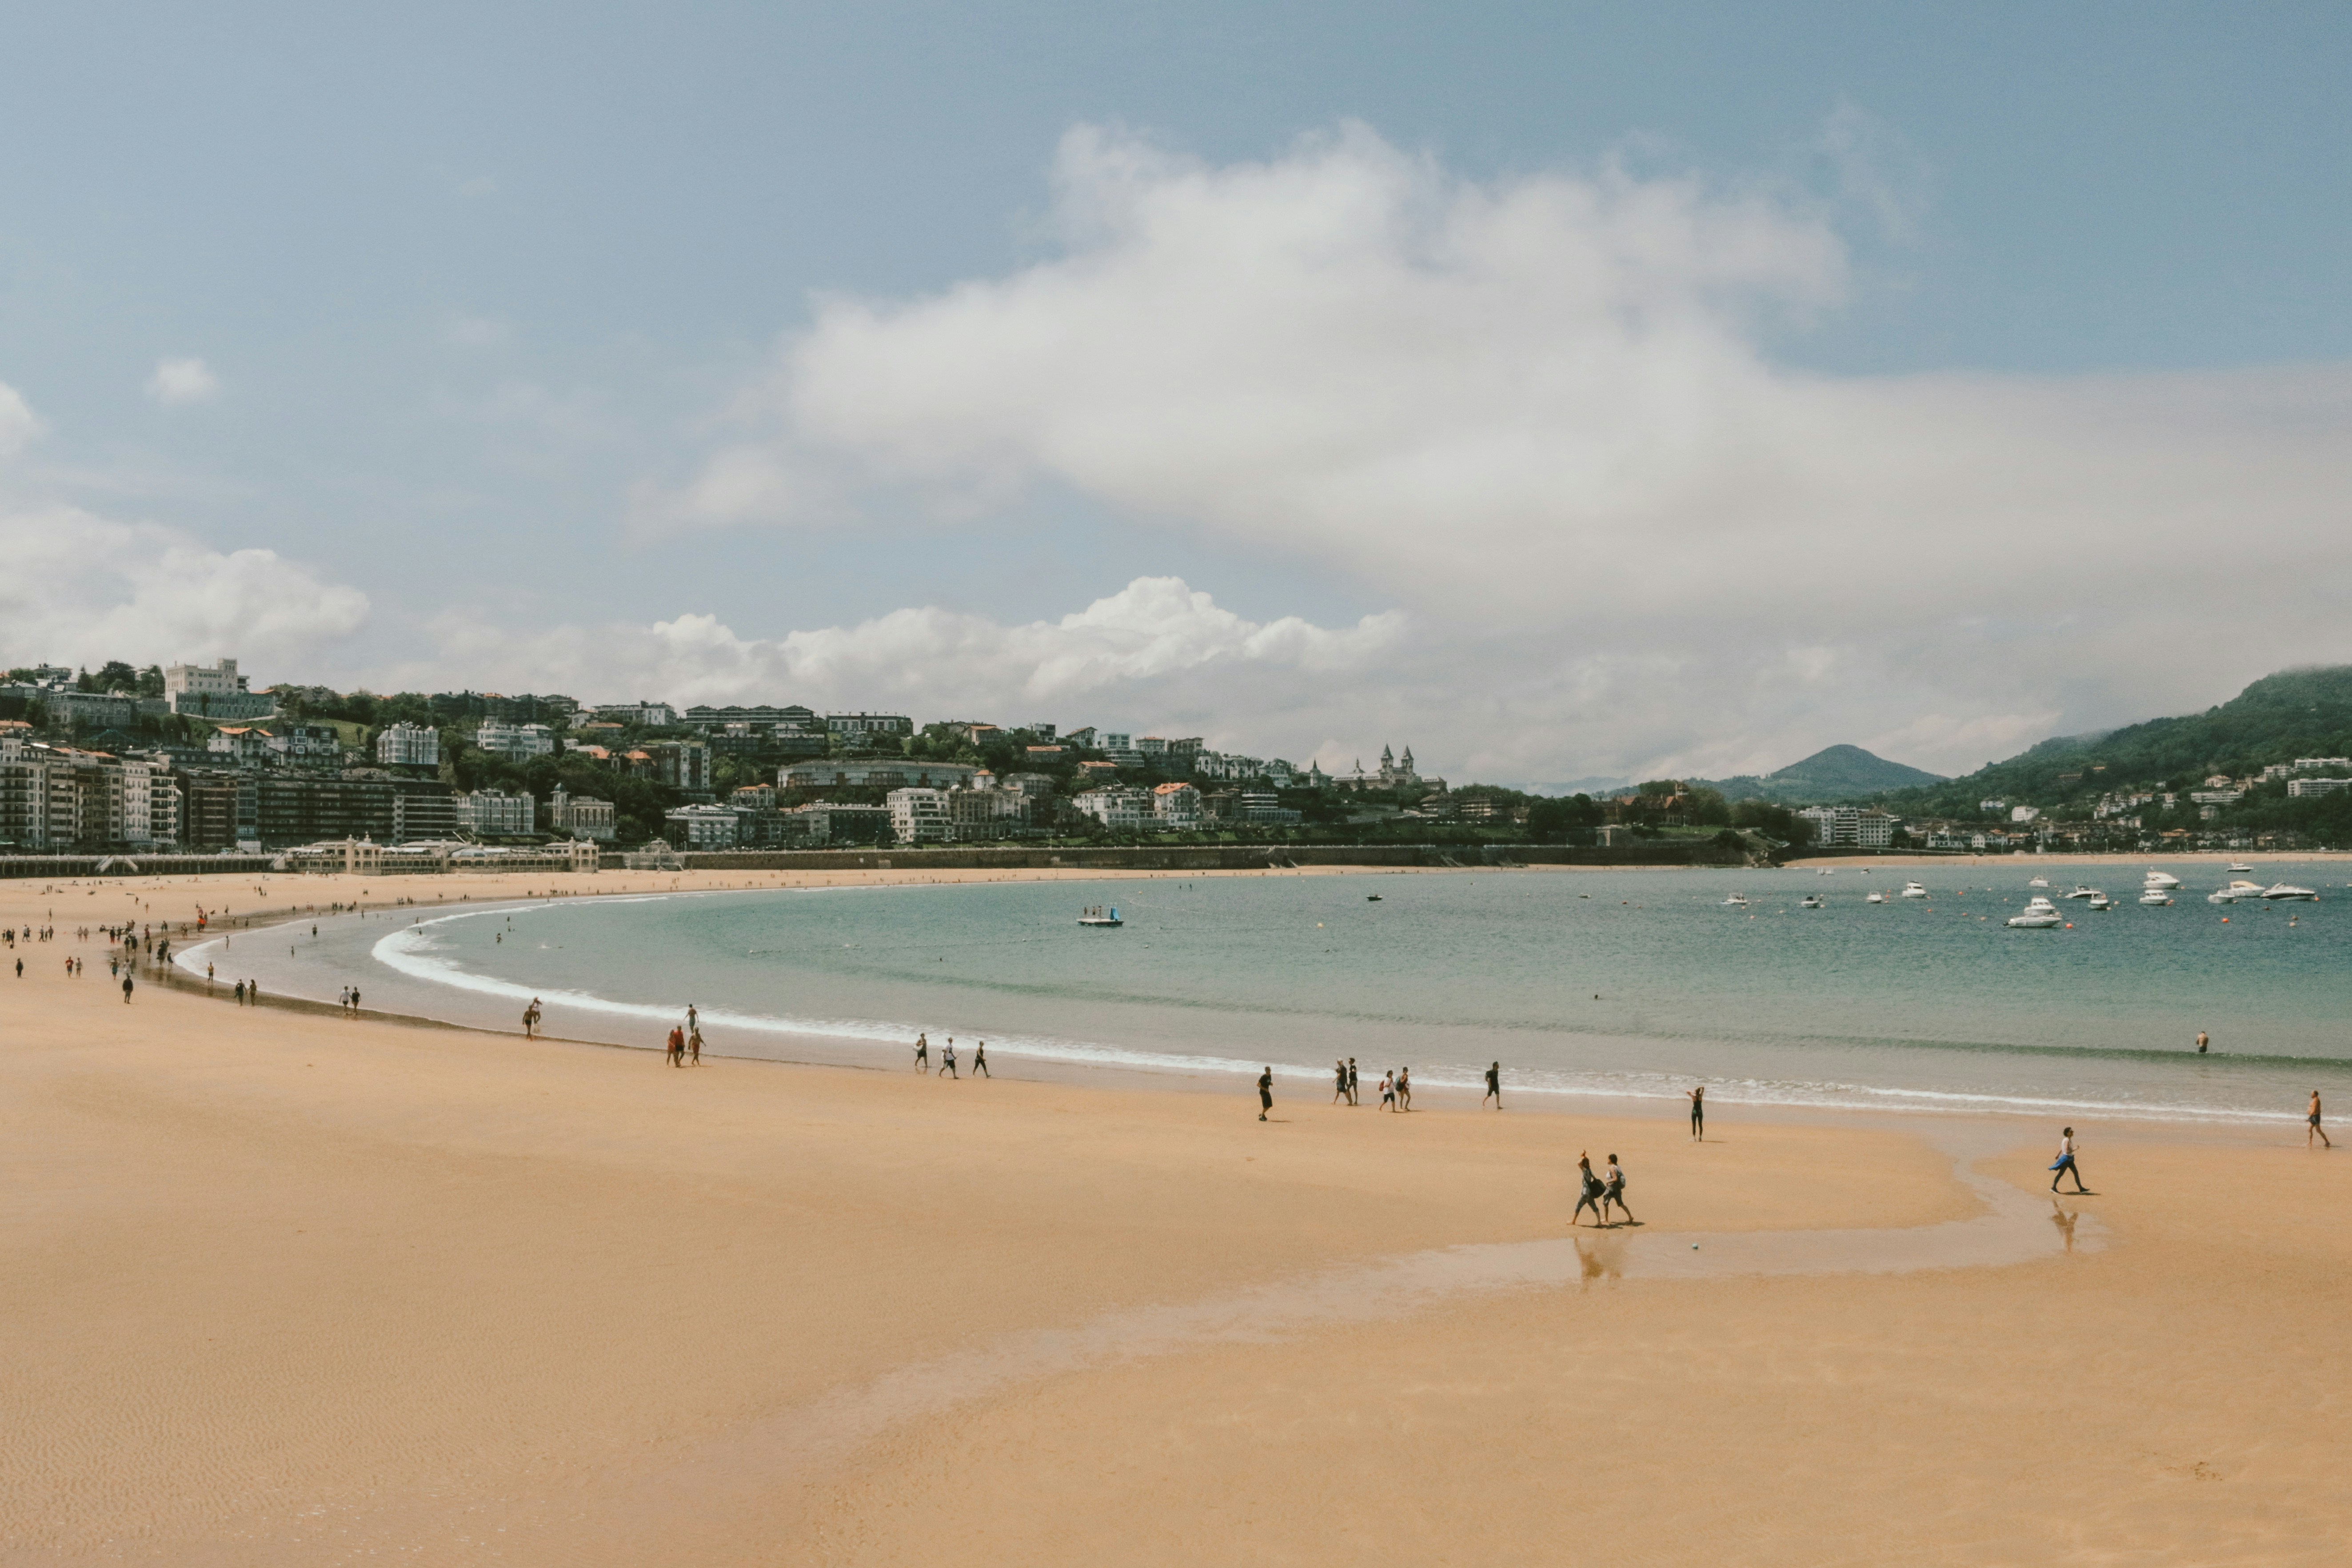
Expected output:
{"points": [[1581, 984]]}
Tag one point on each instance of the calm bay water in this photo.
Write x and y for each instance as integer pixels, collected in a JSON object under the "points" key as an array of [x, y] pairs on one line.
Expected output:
{"points": [[1581, 984]]}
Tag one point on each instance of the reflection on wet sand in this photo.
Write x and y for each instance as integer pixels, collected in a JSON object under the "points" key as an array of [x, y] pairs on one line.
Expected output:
{"points": [[2012, 1229]]}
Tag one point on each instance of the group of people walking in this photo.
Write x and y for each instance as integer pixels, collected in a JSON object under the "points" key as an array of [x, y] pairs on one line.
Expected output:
{"points": [[947, 1065], [1396, 1088], [1600, 1194]]}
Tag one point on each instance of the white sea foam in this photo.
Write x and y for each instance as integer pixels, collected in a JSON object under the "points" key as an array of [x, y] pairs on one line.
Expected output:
{"points": [[414, 951]]}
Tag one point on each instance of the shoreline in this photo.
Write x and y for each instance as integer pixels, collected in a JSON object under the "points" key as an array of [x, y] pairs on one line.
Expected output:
{"points": [[1109, 1064]]}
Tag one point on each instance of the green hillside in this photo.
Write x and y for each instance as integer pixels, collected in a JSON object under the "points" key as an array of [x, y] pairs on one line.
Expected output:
{"points": [[2295, 713], [1832, 773]]}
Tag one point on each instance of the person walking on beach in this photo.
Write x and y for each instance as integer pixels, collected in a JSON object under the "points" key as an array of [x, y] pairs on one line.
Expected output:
{"points": [[240, 992], [531, 1016], [1698, 1113], [1612, 1191], [2316, 1130], [1591, 1194], [1265, 1093], [675, 1046], [694, 1048], [1494, 1087], [2314, 1098], [1354, 1097], [922, 1053], [2201, 1042], [1338, 1082], [1404, 1088], [1388, 1091], [980, 1061], [947, 1059], [2066, 1163]]}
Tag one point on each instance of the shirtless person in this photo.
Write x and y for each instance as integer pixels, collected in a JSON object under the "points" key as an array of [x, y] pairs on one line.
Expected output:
{"points": [[1494, 1087], [2066, 1163], [1265, 1093], [1612, 1191], [922, 1053], [2311, 1121]]}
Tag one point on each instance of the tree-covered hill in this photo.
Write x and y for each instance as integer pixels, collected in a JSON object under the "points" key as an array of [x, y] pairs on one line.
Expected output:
{"points": [[1832, 773], [2295, 713]]}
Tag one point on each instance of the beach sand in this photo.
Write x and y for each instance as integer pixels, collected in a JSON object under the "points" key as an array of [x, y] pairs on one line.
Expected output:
{"points": [[284, 1288]]}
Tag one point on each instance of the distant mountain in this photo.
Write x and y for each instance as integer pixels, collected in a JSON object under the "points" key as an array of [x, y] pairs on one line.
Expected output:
{"points": [[2295, 713], [1834, 772]]}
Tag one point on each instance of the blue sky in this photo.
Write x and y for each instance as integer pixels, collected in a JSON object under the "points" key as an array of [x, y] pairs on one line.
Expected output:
{"points": [[594, 348]]}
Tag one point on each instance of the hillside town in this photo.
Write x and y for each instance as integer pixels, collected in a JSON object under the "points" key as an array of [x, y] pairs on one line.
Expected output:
{"points": [[189, 758]]}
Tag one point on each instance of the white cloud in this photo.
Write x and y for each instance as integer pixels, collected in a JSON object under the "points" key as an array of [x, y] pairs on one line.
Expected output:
{"points": [[1155, 647], [19, 423], [81, 588], [182, 381], [1537, 413]]}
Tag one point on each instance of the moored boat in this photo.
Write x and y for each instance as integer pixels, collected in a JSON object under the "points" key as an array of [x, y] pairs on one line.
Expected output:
{"points": [[1914, 890], [2288, 890], [1099, 916]]}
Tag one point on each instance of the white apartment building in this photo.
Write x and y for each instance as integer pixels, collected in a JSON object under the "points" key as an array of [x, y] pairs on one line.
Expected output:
{"points": [[702, 826], [920, 815], [648, 715], [1846, 824], [306, 740], [2316, 786], [241, 742], [517, 740], [2024, 813], [582, 816], [408, 745], [214, 691], [489, 811], [1176, 807], [981, 814], [870, 724], [1120, 809], [56, 798]]}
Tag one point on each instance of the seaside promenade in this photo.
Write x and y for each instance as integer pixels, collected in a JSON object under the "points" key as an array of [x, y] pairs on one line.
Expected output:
{"points": [[281, 1287]]}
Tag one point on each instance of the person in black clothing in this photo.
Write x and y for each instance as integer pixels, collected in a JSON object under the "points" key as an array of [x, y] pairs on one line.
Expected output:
{"points": [[1339, 1082], [980, 1061], [1355, 1095], [1265, 1093], [1494, 1087], [1591, 1195]]}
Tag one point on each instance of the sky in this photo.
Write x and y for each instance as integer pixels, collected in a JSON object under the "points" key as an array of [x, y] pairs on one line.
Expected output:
{"points": [[1563, 391]]}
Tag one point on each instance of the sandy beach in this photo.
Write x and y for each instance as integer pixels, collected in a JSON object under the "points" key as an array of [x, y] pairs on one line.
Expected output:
{"points": [[287, 1288]]}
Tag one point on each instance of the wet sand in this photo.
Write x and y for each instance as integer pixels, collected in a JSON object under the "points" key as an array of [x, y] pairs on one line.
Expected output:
{"points": [[284, 1288]]}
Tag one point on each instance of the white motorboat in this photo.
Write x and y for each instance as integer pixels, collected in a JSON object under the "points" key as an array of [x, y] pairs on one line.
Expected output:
{"points": [[1874, 897], [2288, 890], [2083, 890], [2235, 865], [1737, 901], [1825, 871], [2164, 879], [1098, 916], [1914, 890], [2039, 882], [1811, 901], [2152, 894], [2099, 900], [2239, 888], [2039, 914]]}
